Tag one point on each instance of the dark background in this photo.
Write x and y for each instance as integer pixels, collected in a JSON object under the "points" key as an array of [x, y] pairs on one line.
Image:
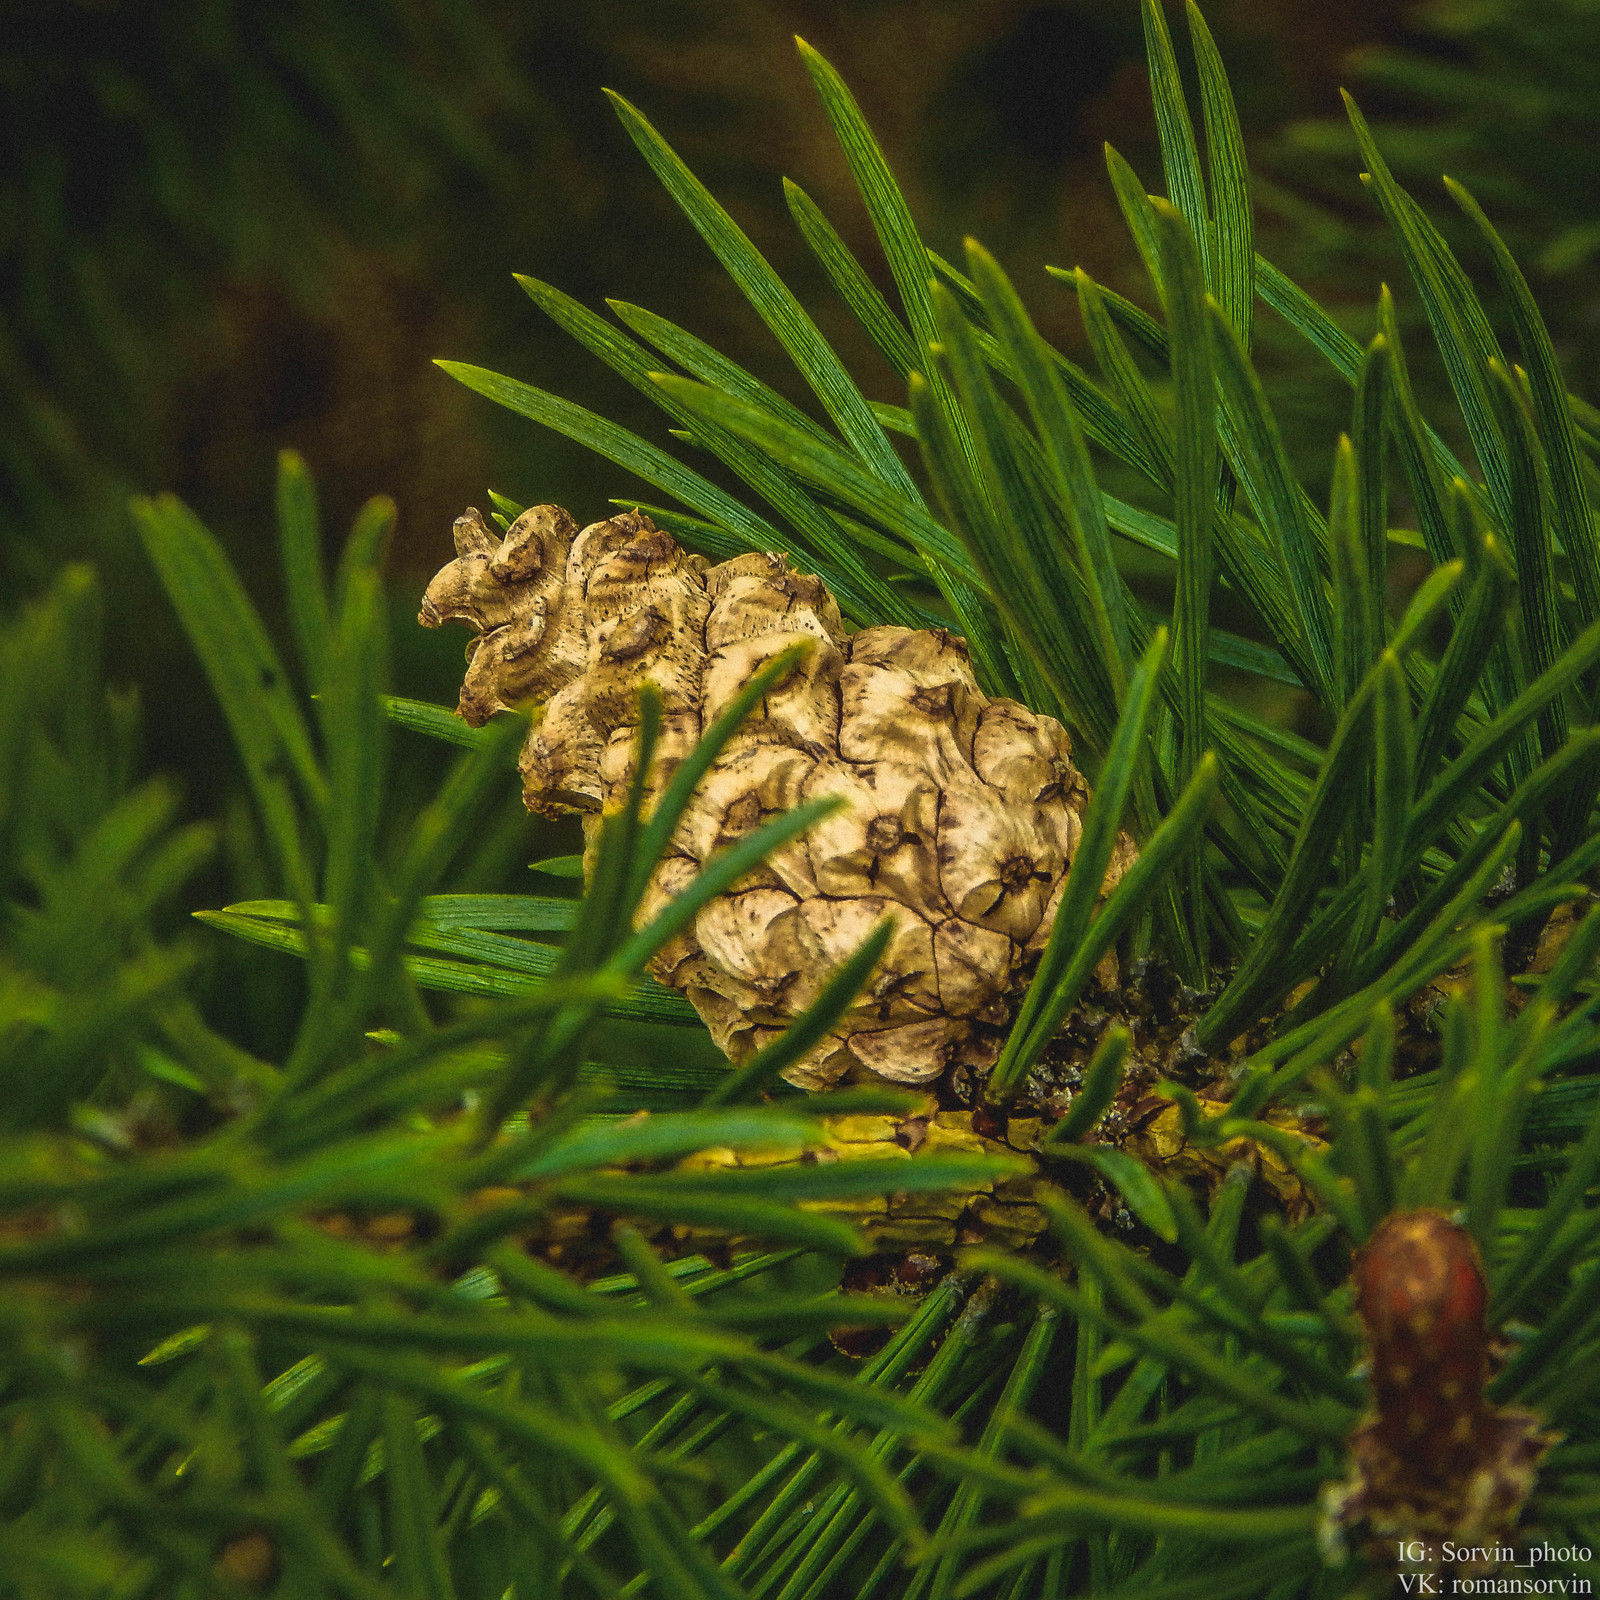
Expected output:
{"points": [[226, 227]]}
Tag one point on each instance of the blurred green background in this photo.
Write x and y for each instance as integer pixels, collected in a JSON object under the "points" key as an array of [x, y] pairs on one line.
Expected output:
{"points": [[227, 228]]}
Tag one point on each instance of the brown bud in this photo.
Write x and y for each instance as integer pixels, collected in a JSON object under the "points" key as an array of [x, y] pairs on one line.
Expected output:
{"points": [[1420, 1295], [1433, 1460]]}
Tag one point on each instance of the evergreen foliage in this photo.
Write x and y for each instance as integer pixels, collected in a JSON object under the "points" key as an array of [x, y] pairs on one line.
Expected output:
{"points": [[292, 1327], [1497, 93]]}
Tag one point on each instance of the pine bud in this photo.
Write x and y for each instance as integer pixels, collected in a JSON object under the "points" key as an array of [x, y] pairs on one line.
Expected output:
{"points": [[1433, 1462]]}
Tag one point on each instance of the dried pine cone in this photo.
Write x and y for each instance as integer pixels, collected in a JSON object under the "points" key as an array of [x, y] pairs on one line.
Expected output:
{"points": [[963, 812]]}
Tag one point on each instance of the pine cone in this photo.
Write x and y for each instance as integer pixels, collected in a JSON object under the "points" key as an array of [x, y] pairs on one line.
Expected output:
{"points": [[963, 812]]}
